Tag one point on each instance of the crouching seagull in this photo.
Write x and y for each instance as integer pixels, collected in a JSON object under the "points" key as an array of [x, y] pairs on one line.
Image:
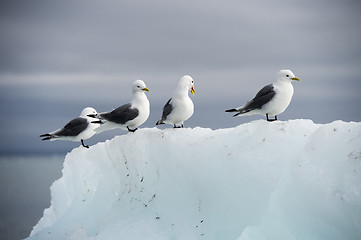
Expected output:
{"points": [[78, 129], [272, 99], [128, 116]]}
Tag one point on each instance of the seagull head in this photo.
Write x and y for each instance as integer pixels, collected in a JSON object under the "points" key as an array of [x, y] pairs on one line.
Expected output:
{"points": [[88, 111], [187, 82], [287, 76], [139, 86]]}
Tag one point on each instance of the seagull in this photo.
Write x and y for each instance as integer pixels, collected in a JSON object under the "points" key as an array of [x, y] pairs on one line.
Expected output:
{"points": [[180, 107], [130, 115], [80, 128], [272, 99]]}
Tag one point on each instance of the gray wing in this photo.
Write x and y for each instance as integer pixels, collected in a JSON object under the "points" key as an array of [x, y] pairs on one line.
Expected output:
{"points": [[262, 97], [73, 128], [167, 109], [121, 115]]}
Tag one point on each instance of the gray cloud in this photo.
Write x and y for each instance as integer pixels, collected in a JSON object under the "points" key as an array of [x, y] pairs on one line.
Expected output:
{"points": [[112, 36]]}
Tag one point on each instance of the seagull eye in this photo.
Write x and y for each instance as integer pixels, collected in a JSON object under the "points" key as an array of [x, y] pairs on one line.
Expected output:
{"points": [[287, 75]]}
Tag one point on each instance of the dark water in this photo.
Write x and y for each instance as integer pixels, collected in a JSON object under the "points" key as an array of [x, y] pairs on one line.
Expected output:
{"points": [[25, 192]]}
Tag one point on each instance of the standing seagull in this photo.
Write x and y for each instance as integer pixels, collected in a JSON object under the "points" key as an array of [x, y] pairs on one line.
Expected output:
{"points": [[130, 115], [180, 107], [78, 129], [272, 99]]}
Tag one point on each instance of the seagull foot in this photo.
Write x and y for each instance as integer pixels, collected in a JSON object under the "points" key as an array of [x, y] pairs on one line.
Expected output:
{"points": [[132, 130], [82, 143], [159, 122], [271, 120]]}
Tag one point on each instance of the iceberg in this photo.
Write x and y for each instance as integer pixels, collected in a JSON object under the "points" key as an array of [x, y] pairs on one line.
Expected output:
{"points": [[257, 181]]}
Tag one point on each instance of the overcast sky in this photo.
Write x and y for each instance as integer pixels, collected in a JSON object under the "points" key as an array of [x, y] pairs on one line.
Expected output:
{"points": [[57, 57]]}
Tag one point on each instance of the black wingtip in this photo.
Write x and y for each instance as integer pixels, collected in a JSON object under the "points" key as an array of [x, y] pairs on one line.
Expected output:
{"points": [[99, 121], [45, 135], [232, 110], [47, 138]]}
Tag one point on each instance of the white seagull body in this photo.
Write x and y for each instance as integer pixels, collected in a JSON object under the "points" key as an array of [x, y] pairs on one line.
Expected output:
{"points": [[78, 129], [180, 107], [272, 99], [128, 116]]}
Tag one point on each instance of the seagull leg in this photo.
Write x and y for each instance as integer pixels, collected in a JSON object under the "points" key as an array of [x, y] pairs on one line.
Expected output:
{"points": [[132, 130], [82, 143], [182, 125]]}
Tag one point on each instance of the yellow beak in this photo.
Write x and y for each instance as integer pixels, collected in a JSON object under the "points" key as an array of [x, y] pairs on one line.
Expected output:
{"points": [[295, 78], [192, 91], [146, 89]]}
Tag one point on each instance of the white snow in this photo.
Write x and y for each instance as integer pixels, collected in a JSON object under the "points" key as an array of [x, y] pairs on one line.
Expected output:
{"points": [[260, 180]]}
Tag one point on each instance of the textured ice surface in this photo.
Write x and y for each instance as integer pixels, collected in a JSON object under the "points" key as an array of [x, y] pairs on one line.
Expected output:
{"points": [[260, 180]]}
